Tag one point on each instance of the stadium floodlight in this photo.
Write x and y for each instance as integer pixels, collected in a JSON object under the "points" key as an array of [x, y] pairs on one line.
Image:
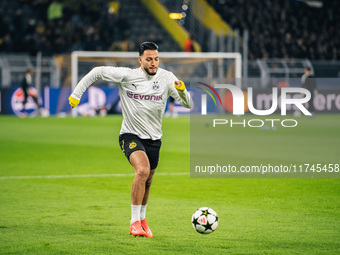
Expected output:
{"points": [[185, 65]]}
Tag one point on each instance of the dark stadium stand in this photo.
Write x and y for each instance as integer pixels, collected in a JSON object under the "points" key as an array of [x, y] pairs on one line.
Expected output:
{"points": [[282, 29], [31, 26], [285, 29]]}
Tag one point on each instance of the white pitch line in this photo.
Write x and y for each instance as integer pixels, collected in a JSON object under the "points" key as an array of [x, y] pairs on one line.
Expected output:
{"points": [[79, 176]]}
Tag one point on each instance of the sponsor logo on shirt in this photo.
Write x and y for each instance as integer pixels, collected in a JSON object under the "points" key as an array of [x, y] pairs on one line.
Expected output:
{"points": [[130, 94]]}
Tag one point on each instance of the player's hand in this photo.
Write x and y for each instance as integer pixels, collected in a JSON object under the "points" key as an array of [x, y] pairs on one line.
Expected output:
{"points": [[73, 102], [180, 86]]}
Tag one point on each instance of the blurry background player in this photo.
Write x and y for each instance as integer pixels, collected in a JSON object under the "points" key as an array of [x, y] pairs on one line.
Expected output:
{"points": [[144, 92], [26, 85], [171, 109], [308, 82]]}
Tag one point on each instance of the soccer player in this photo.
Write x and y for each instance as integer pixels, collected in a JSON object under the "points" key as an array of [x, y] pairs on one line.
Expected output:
{"points": [[308, 82], [25, 86], [171, 108], [143, 92]]}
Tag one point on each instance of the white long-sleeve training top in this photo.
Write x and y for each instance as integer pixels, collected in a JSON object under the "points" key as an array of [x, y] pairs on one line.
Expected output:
{"points": [[143, 97]]}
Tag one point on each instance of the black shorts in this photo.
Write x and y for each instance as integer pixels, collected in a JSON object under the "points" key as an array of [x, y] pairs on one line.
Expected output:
{"points": [[130, 143]]}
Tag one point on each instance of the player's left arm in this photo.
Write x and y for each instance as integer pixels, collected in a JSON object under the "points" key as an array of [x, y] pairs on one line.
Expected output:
{"points": [[180, 93]]}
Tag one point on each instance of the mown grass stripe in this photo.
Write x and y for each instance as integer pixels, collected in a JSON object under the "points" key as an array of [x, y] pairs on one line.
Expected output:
{"points": [[78, 176]]}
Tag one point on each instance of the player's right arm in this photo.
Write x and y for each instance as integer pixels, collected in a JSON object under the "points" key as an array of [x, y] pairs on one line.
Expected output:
{"points": [[106, 73]]}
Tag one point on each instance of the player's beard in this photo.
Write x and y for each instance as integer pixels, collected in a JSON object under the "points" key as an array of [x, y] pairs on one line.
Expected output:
{"points": [[151, 72]]}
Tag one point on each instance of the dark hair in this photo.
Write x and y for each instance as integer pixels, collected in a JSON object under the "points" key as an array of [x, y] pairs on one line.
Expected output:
{"points": [[308, 69], [147, 46]]}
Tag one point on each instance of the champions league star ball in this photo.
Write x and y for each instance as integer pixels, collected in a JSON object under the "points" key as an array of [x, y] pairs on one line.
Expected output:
{"points": [[204, 220]]}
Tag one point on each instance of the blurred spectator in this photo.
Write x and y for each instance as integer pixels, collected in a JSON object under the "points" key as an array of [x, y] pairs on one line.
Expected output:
{"points": [[123, 27], [189, 45], [55, 10], [127, 45], [6, 43], [156, 39]]}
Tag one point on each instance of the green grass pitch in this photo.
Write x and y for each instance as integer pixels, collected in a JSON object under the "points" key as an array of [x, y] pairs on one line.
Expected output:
{"points": [[90, 215]]}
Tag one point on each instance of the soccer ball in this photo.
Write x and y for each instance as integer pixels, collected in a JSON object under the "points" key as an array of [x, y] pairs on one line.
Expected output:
{"points": [[204, 220]]}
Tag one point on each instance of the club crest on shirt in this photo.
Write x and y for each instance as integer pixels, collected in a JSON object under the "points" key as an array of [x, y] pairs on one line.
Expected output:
{"points": [[155, 85], [132, 145]]}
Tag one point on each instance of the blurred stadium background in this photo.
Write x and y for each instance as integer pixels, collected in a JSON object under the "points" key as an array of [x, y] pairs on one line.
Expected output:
{"points": [[276, 44]]}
